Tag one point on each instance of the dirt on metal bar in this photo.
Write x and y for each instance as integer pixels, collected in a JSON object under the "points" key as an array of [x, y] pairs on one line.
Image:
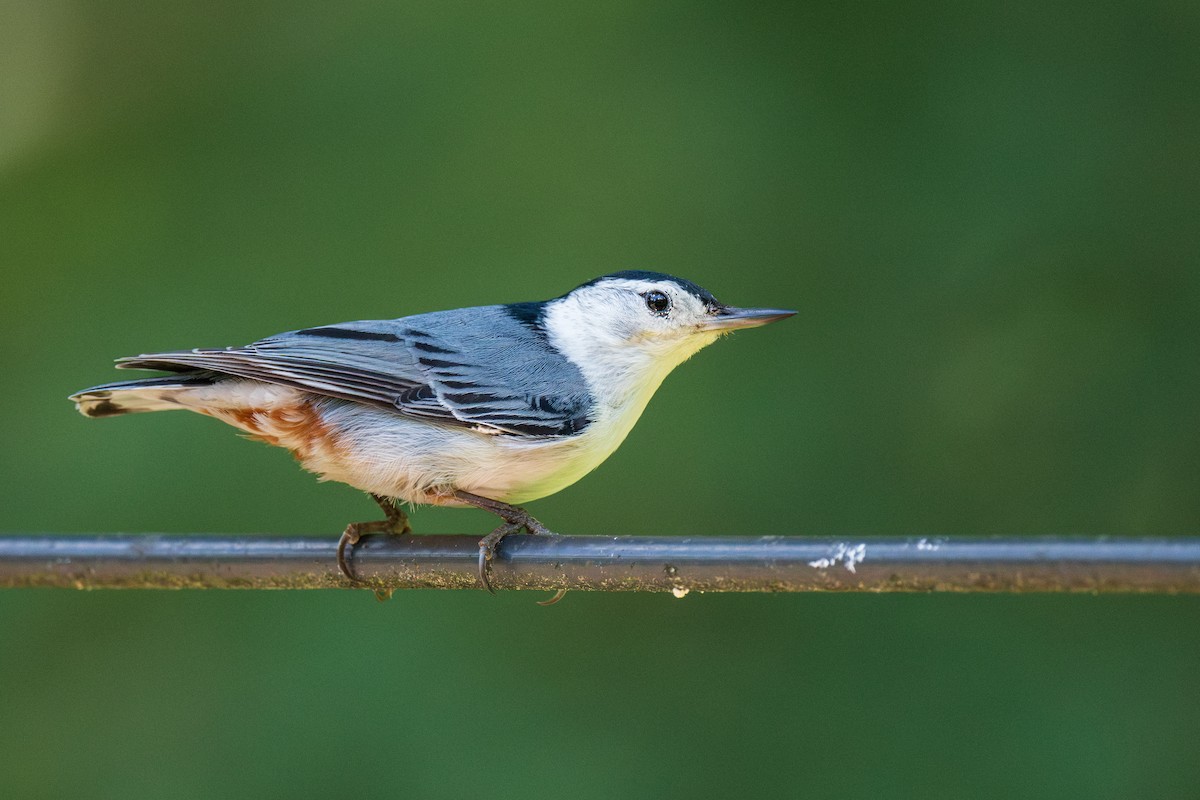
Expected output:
{"points": [[609, 563]]}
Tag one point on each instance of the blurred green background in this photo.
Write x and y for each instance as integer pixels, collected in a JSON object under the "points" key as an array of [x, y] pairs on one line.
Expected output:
{"points": [[987, 215]]}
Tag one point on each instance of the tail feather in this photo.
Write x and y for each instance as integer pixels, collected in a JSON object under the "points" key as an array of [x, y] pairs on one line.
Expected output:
{"points": [[132, 397]]}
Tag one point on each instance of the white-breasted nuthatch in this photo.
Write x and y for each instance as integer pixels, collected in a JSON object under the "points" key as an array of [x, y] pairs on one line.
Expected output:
{"points": [[487, 407]]}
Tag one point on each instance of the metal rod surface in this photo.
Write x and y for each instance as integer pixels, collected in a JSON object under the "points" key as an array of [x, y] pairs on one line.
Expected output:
{"points": [[608, 563]]}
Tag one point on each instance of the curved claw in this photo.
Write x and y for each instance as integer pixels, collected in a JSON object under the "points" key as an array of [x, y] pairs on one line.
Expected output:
{"points": [[348, 538], [487, 550], [557, 596], [483, 568]]}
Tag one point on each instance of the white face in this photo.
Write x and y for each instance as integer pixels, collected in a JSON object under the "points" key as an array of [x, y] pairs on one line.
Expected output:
{"points": [[626, 332], [660, 319], [626, 335]]}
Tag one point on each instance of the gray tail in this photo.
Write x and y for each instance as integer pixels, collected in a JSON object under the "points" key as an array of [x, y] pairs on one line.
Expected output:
{"points": [[131, 397]]}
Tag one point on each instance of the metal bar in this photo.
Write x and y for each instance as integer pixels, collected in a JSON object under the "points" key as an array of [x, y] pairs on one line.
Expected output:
{"points": [[609, 563]]}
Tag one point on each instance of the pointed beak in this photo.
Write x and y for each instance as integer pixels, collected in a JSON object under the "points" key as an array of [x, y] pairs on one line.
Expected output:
{"points": [[732, 319]]}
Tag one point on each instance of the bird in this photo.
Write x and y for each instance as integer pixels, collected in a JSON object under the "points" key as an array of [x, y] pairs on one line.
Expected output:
{"points": [[487, 406]]}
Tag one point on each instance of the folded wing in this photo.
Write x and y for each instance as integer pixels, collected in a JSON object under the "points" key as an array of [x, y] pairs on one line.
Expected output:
{"points": [[476, 367]]}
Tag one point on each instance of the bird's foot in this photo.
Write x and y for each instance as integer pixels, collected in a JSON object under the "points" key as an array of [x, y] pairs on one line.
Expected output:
{"points": [[395, 524], [515, 519], [489, 543], [354, 532], [487, 550]]}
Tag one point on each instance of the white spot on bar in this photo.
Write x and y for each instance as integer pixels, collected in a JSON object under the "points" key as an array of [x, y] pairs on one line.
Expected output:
{"points": [[679, 591], [847, 555]]}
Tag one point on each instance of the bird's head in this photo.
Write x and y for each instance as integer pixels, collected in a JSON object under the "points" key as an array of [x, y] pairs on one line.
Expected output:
{"points": [[634, 321]]}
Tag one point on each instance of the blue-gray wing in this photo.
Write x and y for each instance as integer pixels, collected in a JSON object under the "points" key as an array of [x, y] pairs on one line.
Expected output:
{"points": [[480, 367]]}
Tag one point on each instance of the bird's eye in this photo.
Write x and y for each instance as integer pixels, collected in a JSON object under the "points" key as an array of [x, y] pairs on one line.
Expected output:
{"points": [[658, 303]]}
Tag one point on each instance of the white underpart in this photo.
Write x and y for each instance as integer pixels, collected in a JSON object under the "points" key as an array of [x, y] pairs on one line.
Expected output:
{"points": [[393, 455], [381, 451]]}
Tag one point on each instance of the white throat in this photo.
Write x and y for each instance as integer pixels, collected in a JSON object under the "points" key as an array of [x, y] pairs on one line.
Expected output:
{"points": [[622, 370]]}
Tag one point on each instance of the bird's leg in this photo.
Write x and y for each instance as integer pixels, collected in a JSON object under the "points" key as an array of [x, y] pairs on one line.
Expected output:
{"points": [[395, 515], [513, 515], [514, 520], [396, 523]]}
